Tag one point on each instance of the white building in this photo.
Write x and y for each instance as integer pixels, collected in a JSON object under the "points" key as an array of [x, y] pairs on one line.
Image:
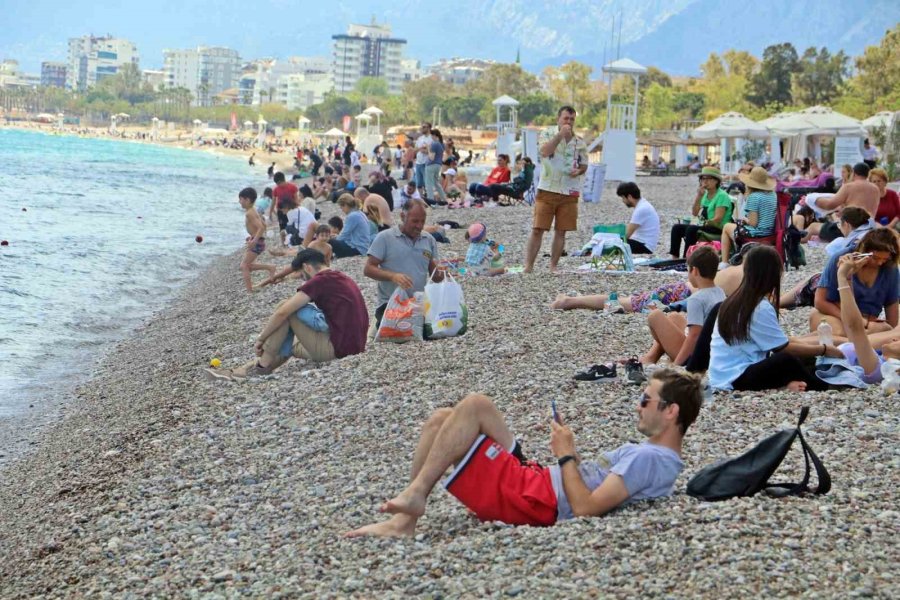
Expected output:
{"points": [[301, 90], [93, 58], [155, 78], [205, 71], [269, 73], [368, 51], [12, 77], [411, 70], [460, 71]]}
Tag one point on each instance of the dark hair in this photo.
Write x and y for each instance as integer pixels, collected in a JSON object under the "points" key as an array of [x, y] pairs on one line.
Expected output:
{"points": [[854, 216], [565, 108], [527, 161], [503, 156], [861, 169], [628, 188], [278, 177], [705, 260], [762, 279], [267, 192], [248, 193], [882, 239], [336, 222], [306, 191], [310, 257], [323, 229], [682, 389], [357, 167], [437, 133]]}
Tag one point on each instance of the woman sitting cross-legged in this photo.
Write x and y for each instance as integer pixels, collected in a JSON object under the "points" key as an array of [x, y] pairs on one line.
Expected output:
{"points": [[749, 350], [761, 209], [712, 205]]}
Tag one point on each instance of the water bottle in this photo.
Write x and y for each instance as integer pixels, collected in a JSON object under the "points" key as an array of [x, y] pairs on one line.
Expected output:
{"points": [[825, 334], [612, 304], [652, 304], [890, 376]]}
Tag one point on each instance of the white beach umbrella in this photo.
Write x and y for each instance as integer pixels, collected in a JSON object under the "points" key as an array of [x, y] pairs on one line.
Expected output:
{"points": [[373, 110], [879, 120], [333, 132], [818, 120], [729, 126]]}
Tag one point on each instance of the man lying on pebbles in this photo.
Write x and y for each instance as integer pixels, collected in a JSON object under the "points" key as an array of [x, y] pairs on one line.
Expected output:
{"points": [[343, 333], [493, 479]]}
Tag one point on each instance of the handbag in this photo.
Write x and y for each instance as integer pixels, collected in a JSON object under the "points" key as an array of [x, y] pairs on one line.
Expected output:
{"points": [[751, 472]]}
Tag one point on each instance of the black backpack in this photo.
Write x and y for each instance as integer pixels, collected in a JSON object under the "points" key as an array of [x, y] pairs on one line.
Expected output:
{"points": [[749, 473]]}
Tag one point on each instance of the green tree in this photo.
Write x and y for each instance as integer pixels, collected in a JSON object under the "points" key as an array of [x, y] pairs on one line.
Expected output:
{"points": [[740, 62], [536, 108], [331, 111], [502, 78], [654, 75], [657, 108], [689, 105], [462, 111], [878, 73], [772, 83], [821, 76], [713, 68]]}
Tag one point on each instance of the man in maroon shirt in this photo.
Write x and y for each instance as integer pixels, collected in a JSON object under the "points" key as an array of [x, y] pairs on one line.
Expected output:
{"points": [[343, 333], [286, 196]]}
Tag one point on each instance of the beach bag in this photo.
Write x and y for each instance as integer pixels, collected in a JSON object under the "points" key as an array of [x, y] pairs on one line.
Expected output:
{"points": [[446, 314], [716, 245], [749, 473], [402, 320]]}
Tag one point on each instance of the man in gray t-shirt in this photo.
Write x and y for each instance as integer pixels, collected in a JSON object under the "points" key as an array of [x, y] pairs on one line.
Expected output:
{"points": [[403, 256], [493, 479]]}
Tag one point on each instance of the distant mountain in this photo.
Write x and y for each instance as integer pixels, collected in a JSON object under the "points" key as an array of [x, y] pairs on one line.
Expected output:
{"points": [[685, 40]]}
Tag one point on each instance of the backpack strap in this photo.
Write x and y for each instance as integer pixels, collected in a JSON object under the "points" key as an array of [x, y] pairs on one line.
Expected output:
{"points": [[780, 490]]}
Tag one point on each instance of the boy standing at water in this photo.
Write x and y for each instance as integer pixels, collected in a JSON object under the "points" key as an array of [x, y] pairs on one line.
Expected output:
{"points": [[256, 243]]}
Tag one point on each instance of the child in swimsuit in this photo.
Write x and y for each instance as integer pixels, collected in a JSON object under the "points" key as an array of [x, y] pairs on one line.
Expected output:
{"points": [[256, 243]]}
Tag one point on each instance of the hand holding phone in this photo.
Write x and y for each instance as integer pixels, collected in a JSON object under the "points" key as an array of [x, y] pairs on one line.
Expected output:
{"points": [[555, 412]]}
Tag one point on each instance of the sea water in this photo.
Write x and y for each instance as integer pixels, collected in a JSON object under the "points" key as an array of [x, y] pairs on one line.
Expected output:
{"points": [[101, 234]]}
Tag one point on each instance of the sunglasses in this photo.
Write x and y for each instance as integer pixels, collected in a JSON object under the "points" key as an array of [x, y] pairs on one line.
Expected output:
{"points": [[645, 400]]}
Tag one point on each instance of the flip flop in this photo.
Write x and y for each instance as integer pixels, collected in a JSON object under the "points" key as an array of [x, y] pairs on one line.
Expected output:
{"points": [[219, 374]]}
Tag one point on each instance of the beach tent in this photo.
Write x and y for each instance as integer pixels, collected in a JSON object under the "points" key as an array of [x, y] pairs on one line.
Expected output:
{"points": [[730, 126], [880, 120], [333, 132], [809, 125]]}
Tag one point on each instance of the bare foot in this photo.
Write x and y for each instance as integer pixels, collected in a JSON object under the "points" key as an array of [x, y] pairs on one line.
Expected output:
{"points": [[797, 386], [407, 503], [396, 526], [647, 359], [559, 303]]}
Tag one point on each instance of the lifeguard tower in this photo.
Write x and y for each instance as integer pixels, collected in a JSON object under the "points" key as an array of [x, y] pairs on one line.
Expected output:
{"points": [[620, 137], [368, 137]]}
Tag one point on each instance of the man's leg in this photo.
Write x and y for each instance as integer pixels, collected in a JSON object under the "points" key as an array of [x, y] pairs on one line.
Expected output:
{"points": [[474, 415], [542, 219], [556, 248], [311, 345], [593, 302], [668, 334], [532, 248], [566, 219], [271, 358]]}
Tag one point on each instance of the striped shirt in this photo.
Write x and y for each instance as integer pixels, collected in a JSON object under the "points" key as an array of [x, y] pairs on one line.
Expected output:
{"points": [[765, 204]]}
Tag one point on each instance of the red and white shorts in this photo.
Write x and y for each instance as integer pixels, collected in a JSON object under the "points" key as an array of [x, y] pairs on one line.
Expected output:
{"points": [[497, 486]]}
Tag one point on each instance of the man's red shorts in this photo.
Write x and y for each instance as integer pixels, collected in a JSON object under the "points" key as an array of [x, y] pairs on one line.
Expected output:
{"points": [[496, 486]]}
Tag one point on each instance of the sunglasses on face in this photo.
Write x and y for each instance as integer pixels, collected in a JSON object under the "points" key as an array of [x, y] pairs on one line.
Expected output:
{"points": [[645, 400]]}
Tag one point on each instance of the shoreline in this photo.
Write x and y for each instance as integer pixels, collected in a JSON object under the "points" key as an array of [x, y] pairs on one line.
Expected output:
{"points": [[159, 482]]}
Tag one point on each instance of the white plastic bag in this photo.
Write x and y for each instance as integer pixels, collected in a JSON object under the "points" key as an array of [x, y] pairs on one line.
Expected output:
{"points": [[402, 320], [446, 314]]}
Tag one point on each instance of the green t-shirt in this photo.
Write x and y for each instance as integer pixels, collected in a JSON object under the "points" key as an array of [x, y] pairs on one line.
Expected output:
{"points": [[711, 204]]}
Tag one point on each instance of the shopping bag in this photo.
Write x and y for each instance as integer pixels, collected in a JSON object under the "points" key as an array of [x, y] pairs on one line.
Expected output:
{"points": [[402, 320], [446, 314]]}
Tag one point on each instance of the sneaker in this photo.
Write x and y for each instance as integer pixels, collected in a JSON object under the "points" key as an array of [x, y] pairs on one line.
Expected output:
{"points": [[598, 373], [634, 371]]}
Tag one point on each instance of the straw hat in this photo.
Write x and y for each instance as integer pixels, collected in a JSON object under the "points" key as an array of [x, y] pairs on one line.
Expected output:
{"points": [[711, 172], [758, 179]]}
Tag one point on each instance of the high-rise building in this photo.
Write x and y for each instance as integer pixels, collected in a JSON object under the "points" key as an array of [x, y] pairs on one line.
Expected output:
{"points": [[93, 58], [368, 51], [204, 71], [410, 69], [53, 74]]}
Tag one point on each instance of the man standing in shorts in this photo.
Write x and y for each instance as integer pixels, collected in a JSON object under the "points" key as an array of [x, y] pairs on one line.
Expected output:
{"points": [[423, 143], [492, 478], [564, 163]]}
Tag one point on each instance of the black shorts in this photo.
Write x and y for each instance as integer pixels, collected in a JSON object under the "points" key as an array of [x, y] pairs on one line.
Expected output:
{"points": [[282, 220], [807, 294], [830, 231]]}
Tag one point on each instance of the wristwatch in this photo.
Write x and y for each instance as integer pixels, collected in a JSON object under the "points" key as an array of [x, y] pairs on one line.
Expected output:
{"points": [[563, 460]]}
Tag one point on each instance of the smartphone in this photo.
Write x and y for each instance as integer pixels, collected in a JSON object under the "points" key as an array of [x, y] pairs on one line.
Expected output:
{"points": [[555, 412], [861, 254]]}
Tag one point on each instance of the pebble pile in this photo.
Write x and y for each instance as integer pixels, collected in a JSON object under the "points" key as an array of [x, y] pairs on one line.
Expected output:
{"points": [[161, 483]]}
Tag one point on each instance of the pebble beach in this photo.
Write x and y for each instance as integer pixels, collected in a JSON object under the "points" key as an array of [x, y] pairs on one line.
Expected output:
{"points": [[161, 483]]}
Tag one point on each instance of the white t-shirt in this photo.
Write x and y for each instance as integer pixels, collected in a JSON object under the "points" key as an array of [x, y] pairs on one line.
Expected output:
{"points": [[301, 219], [645, 217], [423, 141]]}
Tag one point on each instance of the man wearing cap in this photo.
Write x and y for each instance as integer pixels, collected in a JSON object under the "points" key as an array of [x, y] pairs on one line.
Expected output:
{"points": [[402, 256], [563, 165], [334, 328], [859, 192], [761, 209], [712, 206], [492, 478]]}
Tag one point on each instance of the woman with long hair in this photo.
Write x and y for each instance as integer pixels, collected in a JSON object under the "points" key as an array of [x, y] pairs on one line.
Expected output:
{"points": [[749, 350], [433, 169], [875, 285]]}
